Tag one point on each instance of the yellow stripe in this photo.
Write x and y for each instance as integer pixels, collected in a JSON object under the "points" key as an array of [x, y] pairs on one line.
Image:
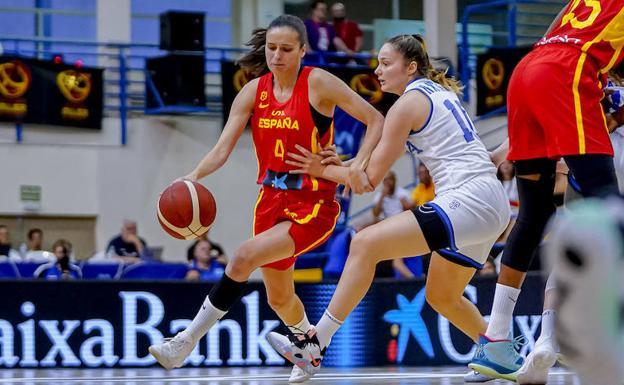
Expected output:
{"points": [[321, 239], [314, 146], [612, 34], [310, 216], [253, 229], [577, 102]]}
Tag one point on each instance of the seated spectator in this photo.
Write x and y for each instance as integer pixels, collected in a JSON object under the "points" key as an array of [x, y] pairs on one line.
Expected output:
{"points": [[5, 245], [216, 251], [60, 268], [128, 247], [425, 190], [321, 35], [32, 249], [347, 30], [391, 200], [207, 263]]}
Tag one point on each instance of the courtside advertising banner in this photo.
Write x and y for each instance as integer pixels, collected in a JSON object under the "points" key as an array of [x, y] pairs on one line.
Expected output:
{"points": [[112, 323]]}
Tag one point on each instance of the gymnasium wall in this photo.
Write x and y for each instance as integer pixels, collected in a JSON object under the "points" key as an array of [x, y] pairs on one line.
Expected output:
{"points": [[84, 173]]}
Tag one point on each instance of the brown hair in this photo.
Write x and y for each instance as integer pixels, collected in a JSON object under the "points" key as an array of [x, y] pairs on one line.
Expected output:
{"points": [[414, 48], [254, 61]]}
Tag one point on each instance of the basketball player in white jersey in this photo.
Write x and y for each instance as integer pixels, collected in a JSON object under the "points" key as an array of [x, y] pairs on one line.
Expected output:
{"points": [[459, 226]]}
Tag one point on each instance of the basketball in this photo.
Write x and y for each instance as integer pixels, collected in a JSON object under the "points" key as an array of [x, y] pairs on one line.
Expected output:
{"points": [[186, 210]]}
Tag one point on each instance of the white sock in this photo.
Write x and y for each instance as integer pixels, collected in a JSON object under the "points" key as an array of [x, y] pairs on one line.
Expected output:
{"points": [[301, 327], [327, 327], [505, 299], [206, 317], [548, 326]]}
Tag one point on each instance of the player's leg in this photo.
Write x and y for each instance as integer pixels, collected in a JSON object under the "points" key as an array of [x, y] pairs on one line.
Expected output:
{"points": [[395, 237], [281, 296], [446, 282], [544, 354], [535, 180], [269, 246]]}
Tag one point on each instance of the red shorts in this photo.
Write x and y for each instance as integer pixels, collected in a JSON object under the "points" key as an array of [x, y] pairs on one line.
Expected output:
{"points": [[552, 115], [313, 215]]}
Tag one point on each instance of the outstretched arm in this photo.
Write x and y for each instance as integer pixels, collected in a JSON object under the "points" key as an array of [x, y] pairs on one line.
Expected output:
{"points": [[242, 108]]}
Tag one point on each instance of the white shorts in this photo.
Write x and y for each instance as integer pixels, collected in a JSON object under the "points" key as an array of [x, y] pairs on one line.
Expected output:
{"points": [[475, 215]]}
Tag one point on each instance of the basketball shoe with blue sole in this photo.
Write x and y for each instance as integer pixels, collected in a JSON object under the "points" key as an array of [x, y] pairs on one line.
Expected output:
{"points": [[498, 359], [586, 247]]}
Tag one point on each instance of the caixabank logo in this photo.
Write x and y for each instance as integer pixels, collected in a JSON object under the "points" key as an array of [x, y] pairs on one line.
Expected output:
{"points": [[420, 336]]}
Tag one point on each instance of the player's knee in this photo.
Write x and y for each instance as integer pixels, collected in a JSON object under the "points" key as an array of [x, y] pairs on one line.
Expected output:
{"points": [[280, 300], [242, 263], [362, 246], [441, 300]]}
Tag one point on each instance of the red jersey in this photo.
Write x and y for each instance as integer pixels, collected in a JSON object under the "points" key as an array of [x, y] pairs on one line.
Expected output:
{"points": [[596, 27], [278, 127]]}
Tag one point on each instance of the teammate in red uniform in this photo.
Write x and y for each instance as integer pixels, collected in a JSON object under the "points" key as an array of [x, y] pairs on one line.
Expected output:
{"points": [[554, 111], [288, 106]]}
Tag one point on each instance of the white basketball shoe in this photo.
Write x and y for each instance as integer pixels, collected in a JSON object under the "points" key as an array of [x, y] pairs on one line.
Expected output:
{"points": [[173, 351]]}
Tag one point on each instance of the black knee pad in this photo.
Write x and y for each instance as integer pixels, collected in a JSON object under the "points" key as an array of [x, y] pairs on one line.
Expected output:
{"points": [[536, 208]]}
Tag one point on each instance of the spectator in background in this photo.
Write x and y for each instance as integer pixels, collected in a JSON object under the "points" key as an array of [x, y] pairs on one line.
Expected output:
{"points": [[321, 35], [391, 200], [207, 262], [60, 268], [216, 251], [5, 245], [34, 242], [506, 174], [347, 30], [128, 247], [425, 190]]}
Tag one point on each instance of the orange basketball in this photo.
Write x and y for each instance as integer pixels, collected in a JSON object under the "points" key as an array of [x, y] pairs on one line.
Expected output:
{"points": [[186, 210]]}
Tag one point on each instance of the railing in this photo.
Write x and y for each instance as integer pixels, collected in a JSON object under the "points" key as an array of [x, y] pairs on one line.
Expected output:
{"points": [[124, 65], [509, 35]]}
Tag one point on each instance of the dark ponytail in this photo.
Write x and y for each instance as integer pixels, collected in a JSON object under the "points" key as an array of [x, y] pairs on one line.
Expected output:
{"points": [[254, 61], [414, 48]]}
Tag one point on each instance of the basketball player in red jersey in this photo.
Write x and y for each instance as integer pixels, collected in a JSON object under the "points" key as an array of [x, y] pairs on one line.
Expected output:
{"points": [[288, 106], [554, 112]]}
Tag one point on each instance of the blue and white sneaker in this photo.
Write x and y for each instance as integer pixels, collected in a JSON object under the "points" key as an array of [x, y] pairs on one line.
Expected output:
{"points": [[474, 377], [498, 359]]}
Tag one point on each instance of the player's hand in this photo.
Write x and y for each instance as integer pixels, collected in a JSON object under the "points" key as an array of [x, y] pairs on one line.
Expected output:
{"points": [[358, 181], [306, 162], [330, 156]]}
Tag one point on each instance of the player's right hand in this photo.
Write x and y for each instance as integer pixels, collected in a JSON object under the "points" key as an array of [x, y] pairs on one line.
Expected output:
{"points": [[358, 181]]}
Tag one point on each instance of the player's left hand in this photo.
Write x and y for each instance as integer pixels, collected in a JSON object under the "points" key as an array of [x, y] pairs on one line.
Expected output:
{"points": [[306, 162], [358, 181]]}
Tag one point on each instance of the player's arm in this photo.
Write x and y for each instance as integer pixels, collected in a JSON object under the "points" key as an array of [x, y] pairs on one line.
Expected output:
{"points": [[242, 107], [340, 94], [499, 154], [409, 112]]}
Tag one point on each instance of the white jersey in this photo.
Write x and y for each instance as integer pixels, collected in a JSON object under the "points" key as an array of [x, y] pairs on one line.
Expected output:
{"points": [[448, 143]]}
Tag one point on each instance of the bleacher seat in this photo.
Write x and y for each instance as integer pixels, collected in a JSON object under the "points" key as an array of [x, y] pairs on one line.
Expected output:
{"points": [[155, 271], [8, 270], [109, 270], [27, 269]]}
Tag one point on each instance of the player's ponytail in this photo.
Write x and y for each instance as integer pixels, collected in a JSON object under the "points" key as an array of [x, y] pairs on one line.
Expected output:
{"points": [[254, 61], [414, 48]]}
